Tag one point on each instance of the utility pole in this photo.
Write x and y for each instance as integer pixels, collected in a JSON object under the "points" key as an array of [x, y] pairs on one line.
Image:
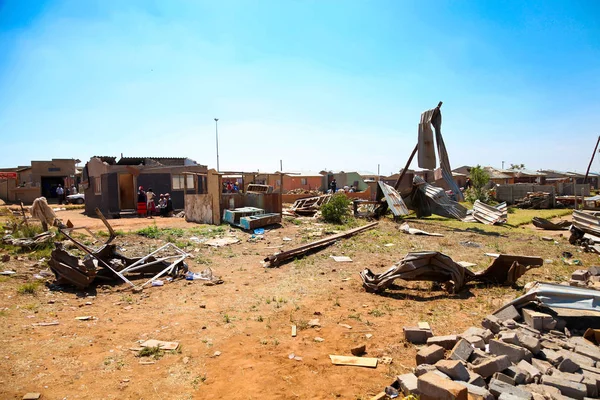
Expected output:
{"points": [[502, 164], [217, 136]]}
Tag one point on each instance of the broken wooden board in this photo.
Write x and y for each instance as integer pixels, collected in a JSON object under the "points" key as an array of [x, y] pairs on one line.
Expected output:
{"points": [[354, 361], [161, 344], [341, 258], [413, 231]]}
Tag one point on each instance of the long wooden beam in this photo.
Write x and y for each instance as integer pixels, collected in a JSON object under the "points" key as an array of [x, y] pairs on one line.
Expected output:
{"points": [[278, 258]]}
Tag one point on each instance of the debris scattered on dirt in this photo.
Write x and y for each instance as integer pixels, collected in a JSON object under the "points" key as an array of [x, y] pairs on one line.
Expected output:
{"points": [[341, 258], [223, 241], [278, 258], [413, 231], [160, 344], [359, 350], [550, 226], [354, 361], [438, 267]]}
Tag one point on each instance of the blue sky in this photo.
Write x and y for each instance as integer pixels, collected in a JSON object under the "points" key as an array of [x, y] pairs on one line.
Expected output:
{"points": [[320, 84]]}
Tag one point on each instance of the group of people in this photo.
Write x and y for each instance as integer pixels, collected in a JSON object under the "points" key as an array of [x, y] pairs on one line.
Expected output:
{"points": [[146, 206], [62, 193], [333, 188], [231, 187]]}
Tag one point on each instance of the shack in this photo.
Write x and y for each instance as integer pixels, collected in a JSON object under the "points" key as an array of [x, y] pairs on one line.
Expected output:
{"points": [[112, 185]]}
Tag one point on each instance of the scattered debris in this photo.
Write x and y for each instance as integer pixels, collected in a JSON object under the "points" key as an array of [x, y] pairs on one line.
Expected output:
{"points": [[319, 339], [223, 241], [85, 318], [29, 243], [535, 200], [278, 258], [46, 323], [310, 205], [294, 330], [32, 396], [427, 199], [413, 231], [550, 226], [354, 361], [490, 215], [470, 244], [359, 351], [314, 323], [438, 267], [341, 258], [345, 326], [393, 199], [160, 344]]}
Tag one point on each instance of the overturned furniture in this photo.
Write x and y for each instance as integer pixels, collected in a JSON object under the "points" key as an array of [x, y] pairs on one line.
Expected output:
{"points": [[250, 217], [437, 267], [106, 263], [279, 258]]}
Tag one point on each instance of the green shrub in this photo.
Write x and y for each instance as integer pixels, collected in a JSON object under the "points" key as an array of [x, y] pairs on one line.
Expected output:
{"points": [[479, 179], [151, 232], [337, 209]]}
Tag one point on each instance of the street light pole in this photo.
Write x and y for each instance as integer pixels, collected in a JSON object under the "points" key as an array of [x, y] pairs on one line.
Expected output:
{"points": [[217, 136]]}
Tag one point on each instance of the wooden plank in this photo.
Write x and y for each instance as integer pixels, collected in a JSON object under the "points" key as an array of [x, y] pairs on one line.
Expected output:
{"points": [[161, 344], [293, 330], [354, 361]]}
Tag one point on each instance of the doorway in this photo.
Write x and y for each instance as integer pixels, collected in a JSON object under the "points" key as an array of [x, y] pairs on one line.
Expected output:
{"points": [[49, 185], [126, 192]]}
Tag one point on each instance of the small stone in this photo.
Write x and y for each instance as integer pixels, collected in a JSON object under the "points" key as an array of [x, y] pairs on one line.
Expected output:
{"points": [[368, 335], [319, 339], [186, 360], [32, 396], [358, 351], [217, 354], [314, 323]]}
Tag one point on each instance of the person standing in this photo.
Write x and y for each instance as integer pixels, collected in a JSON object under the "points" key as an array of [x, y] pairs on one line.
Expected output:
{"points": [[141, 202], [150, 203], [169, 206], [60, 192], [333, 186]]}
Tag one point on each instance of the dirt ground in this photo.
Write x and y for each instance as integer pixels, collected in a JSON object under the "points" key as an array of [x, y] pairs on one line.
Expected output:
{"points": [[235, 338]]}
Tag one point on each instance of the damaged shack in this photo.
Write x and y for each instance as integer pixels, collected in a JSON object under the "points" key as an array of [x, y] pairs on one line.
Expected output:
{"points": [[112, 185]]}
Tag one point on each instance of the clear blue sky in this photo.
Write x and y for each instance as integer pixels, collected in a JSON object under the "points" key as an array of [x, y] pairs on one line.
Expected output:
{"points": [[336, 84]]}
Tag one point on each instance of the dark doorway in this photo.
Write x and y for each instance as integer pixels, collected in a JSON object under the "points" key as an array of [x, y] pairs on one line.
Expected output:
{"points": [[49, 185], [127, 193]]}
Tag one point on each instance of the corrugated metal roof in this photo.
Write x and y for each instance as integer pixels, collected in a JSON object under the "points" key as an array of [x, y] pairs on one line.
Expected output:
{"points": [[586, 222], [489, 215], [439, 197], [394, 200]]}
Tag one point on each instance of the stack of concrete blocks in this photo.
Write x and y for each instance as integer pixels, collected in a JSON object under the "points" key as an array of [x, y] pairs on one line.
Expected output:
{"points": [[514, 355], [587, 278]]}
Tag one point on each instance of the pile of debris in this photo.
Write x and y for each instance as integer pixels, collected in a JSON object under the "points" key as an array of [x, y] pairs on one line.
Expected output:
{"points": [[434, 266], [535, 200], [308, 206], [29, 243], [585, 231], [550, 226], [586, 278], [304, 191], [519, 353]]}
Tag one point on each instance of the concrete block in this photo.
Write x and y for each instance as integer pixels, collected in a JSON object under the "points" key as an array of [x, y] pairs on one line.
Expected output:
{"points": [[508, 396], [509, 323], [568, 365], [591, 352], [476, 379], [454, 369], [491, 365], [475, 341], [504, 378], [431, 387], [529, 342], [462, 350], [517, 374], [537, 320], [485, 334], [580, 275], [541, 365], [509, 337], [533, 372], [553, 357], [514, 353], [497, 387], [577, 357], [509, 312], [549, 392], [492, 323], [447, 342], [417, 335], [592, 386], [430, 354], [477, 356], [476, 392], [567, 388], [408, 384], [424, 368], [594, 270]]}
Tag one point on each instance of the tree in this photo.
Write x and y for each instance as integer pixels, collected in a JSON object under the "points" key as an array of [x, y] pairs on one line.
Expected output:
{"points": [[479, 179], [517, 167]]}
